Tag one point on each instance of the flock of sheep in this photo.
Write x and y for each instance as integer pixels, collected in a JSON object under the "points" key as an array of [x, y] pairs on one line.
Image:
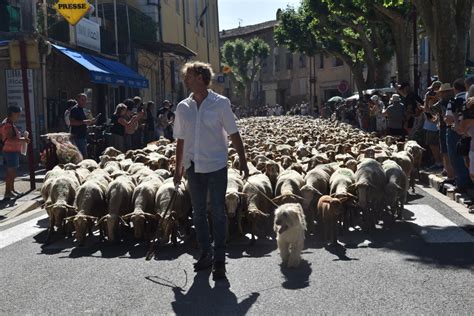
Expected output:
{"points": [[342, 177]]}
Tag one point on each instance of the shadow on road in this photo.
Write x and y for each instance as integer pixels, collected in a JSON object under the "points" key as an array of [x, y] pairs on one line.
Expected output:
{"points": [[202, 299], [297, 278], [340, 251], [414, 196]]}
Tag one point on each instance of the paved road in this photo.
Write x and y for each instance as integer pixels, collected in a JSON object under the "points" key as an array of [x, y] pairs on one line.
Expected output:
{"points": [[423, 265]]}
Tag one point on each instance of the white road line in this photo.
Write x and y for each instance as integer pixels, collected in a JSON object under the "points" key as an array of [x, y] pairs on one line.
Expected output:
{"points": [[21, 231], [457, 207], [435, 228]]}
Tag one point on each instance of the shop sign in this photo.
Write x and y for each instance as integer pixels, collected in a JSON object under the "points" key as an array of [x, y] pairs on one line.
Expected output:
{"points": [[14, 85], [88, 34], [72, 10]]}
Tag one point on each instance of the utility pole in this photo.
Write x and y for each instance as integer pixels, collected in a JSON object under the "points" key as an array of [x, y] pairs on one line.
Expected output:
{"points": [[43, 67], [416, 77], [116, 28], [26, 100]]}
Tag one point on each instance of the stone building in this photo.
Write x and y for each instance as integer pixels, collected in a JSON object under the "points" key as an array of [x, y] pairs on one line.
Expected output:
{"points": [[285, 76]]}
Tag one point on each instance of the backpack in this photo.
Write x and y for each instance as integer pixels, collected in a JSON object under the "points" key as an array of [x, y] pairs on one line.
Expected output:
{"points": [[2, 141]]}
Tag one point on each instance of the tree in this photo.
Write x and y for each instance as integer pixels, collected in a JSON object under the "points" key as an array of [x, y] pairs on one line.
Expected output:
{"points": [[399, 18], [340, 29], [447, 24], [244, 59]]}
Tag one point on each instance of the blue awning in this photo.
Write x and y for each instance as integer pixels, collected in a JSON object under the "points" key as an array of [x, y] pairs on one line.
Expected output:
{"points": [[105, 71], [4, 42]]}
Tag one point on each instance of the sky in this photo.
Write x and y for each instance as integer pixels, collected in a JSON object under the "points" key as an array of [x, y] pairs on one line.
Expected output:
{"points": [[249, 11]]}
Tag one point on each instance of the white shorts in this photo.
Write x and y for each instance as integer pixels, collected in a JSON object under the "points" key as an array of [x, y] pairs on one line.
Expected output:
{"points": [[471, 162]]}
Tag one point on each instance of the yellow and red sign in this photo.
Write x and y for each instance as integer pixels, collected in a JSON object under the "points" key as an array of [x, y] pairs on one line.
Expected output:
{"points": [[72, 10]]}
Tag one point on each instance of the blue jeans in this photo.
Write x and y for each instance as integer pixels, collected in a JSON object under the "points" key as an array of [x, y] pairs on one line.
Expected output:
{"points": [[457, 161], [216, 184], [81, 144]]}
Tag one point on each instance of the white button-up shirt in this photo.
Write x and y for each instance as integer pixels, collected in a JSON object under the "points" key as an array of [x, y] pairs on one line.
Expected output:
{"points": [[205, 131]]}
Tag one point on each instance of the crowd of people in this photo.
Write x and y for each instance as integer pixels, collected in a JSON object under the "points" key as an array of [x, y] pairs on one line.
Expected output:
{"points": [[442, 121], [132, 124]]}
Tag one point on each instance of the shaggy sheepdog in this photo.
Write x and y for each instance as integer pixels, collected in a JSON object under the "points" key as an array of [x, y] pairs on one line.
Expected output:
{"points": [[290, 227]]}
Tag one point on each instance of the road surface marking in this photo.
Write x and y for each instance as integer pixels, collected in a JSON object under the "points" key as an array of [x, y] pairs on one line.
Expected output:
{"points": [[20, 231], [435, 228], [455, 206]]}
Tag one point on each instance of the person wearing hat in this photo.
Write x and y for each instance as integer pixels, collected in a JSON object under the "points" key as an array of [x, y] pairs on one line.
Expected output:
{"points": [[377, 107], [453, 118], [430, 125], [438, 109], [395, 113], [411, 101], [12, 142]]}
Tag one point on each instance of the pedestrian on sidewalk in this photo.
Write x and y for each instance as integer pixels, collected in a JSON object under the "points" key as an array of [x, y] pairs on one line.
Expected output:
{"points": [[130, 129], [12, 143], [69, 105], [119, 123], [79, 123], [395, 113], [202, 124], [453, 119], [430, 125]]}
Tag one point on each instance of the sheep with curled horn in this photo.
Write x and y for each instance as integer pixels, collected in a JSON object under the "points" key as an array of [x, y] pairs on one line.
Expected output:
{"points": [[90, 206], [59, 204], [119, 203], [143, 216], [177, 221]]}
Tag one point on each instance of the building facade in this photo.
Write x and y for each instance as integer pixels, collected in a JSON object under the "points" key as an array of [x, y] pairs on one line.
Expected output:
{"points": [[284, 78], [121, 49]]}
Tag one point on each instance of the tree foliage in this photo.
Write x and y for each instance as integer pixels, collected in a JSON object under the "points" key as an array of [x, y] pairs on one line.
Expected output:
{"points": [[245, 60], [353, 30]]}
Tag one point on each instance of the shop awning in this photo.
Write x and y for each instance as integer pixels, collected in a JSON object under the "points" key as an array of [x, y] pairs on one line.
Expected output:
{"points": [[105, 71]]}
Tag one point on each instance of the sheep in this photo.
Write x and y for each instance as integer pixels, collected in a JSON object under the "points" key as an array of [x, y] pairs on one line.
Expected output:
{"points": [[143, 200], [258, 207], [396, 187], [318, 179], [89, 164], [287, 189], [332, 211], [405, 161], [341, 186], [233, 196], [59, 203], [90, 205], [370, 183], [416, 152], [178, 216], [111, 152], [119, 202]]}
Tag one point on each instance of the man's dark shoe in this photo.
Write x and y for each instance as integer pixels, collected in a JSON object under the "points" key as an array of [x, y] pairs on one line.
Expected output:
{"points": [[218, 271], [204, 262]]}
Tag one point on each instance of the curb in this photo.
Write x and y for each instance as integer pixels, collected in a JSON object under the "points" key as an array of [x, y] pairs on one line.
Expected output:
{"points": [[26, 204], [435, 182]]}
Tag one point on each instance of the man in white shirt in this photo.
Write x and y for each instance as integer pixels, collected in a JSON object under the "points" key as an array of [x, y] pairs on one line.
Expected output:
{"points": [[202, 123]]}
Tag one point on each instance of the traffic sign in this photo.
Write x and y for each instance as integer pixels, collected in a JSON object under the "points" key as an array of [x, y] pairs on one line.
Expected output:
{"points": [[343, 86], [72, 10]]}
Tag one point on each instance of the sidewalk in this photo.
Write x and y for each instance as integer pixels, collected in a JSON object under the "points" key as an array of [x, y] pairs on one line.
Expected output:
{"points": [[25, 203]]}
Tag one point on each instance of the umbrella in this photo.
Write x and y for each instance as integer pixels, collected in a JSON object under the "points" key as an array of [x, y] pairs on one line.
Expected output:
{"points": [[336, 99]]}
